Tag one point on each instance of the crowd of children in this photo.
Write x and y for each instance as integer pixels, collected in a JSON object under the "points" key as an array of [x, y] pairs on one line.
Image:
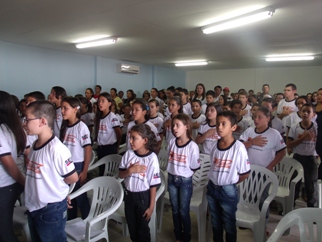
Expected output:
{"points": [[54, 139]]}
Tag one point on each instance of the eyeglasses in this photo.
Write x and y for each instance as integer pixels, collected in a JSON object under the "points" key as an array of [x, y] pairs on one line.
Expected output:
{"points": [[26, 120]]}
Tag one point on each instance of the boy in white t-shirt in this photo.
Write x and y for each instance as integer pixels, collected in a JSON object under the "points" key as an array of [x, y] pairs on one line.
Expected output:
{"points": [[242, 122], [246, 108], [49, 171], [197, 117], [229, 166], [302, 139], [210, 98]]}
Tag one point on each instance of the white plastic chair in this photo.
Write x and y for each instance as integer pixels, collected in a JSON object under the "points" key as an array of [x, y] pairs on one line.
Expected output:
{"points": [[163, 158], [93, 158], [320, 193], [286, 189], [250, 191], [20, 217], [198, 203], [122, 148], [119, 215], [304, 218], [111, 162], [107, 197]]}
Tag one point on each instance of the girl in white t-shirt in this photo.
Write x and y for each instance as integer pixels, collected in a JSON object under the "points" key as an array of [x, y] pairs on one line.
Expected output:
{"points": [[154, 117], [207, 133], [140, 169], [175, 107], [141, 114], [265, 146], [75, 134], [87, 116], [108, 131], [12, 143], [183, 161]]}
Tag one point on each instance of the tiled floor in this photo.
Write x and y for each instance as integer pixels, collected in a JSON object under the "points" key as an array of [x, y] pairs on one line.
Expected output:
{"points": [[166, 235]]}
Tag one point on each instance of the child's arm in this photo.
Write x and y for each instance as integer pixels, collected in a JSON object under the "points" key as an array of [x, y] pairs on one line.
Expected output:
{"points": [[12, 169], [242, 177], [134, 168], [87, 159], [292, 143], [118, 133], [278, 157], [148, 213], [201, 137], [71, 178]]}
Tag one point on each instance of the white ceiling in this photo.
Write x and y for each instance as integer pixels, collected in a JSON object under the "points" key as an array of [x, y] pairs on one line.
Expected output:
{"points": [[160, 32]]}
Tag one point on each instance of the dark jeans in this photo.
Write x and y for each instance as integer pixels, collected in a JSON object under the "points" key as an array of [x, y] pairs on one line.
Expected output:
{"points": [[310, 167], [8, 198], [104, 150], [80, 201], [48, 223], [222, 203], [320, 166], [135, 205], [180, 192]]}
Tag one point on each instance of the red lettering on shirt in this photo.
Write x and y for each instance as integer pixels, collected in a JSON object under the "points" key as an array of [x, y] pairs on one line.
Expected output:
{"points": [[176, 157], [70, 138], [219, 163], [103, 127]]}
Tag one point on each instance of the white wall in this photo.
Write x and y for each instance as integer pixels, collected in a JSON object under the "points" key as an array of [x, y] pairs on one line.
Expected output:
{"points": [[24, 69], [307, 79]]}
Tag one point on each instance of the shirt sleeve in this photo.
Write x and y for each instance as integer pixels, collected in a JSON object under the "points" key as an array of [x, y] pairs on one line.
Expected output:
{"points": [[195, 159], [115, 122], [154, 174], [244, 164], [124, 161], [292, 133], [62, 159], [85, 136], [5, 148], [244, 136], [279, 142]]}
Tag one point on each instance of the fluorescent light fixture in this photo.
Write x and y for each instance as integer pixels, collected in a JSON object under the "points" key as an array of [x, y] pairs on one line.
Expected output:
{"points": [[99, 42], [292, 57], [241, 20], [192, 63]]}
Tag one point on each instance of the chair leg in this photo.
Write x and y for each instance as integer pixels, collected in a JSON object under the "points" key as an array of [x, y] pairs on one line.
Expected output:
{"points": [[159, 210], [27, 232]]}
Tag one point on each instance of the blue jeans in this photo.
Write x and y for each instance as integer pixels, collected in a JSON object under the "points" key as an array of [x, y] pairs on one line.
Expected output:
{"points": [[8, 197], [81, 201], [222, 202], [180, 192], [48, 223]]}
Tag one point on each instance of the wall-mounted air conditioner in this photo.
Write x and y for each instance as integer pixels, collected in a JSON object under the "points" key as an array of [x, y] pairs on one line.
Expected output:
{"points": [[126, 68]]}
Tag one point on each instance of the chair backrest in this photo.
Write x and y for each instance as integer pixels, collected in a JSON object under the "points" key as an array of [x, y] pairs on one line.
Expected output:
{"points": [[305, 219], [285, 169], [200, 177], [163, 157], [111, 162], [107, 195], [251, 189], [93, 157]]}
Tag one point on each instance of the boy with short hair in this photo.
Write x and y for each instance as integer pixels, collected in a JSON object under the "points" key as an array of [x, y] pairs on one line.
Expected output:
{"points": [[56, 96], [49, 171], [197, 117], [242, 122], [34, 96], [229, 166], [186, 106], [302, 139], [243, 97], [210, 97], [217, 90], [287, 106]]}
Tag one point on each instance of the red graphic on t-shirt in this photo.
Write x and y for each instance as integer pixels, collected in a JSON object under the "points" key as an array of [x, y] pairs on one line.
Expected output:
{"points": [[70, 138], [176, 157], [219, 163], [103, 127]]}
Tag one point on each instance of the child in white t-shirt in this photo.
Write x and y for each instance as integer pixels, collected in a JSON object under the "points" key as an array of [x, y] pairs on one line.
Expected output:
{"points": [[140, 169], [243, 122], [229, 166], [207, 133], [57, 94], [49, 171], [197, 117], [75, 134], [246, 108], [154, 117], [183, 161], [302, 139]]}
